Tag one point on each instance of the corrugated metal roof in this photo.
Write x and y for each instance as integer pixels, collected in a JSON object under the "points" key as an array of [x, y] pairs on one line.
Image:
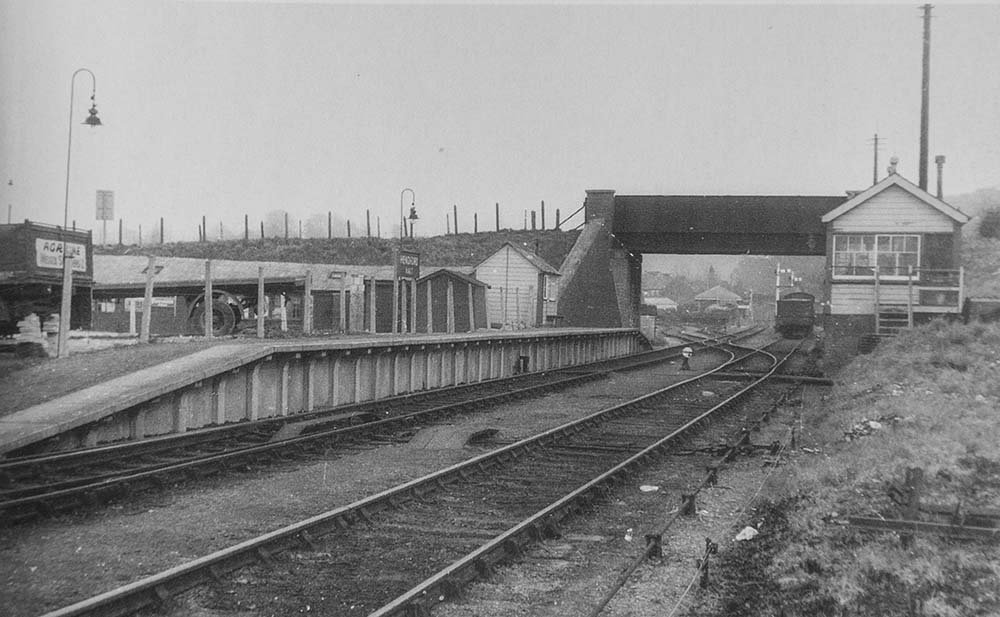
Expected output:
{"points": [[130, 270]]}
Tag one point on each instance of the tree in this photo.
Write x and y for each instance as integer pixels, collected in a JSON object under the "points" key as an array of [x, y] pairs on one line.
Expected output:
{"points": [[712, 279], [989, 224]]}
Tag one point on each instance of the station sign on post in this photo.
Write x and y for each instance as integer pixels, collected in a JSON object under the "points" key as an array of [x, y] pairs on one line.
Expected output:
{"points": [[105, 211], [407, 265]]}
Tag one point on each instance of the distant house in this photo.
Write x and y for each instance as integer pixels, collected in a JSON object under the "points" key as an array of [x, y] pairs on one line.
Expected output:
{"points": [[717, 295], [523, 287], [894, 256], [661, 303]]}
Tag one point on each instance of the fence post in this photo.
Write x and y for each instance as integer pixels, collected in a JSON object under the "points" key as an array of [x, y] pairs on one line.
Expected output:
{"points": [[911, 509], [147, 301], [307, 313], [261, 302]]}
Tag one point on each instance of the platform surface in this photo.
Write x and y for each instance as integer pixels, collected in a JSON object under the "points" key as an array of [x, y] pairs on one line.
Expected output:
{"points": [[88, 405]]}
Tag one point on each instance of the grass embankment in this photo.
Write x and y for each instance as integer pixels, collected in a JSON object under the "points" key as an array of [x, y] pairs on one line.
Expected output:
{"points": [[935, 393]]}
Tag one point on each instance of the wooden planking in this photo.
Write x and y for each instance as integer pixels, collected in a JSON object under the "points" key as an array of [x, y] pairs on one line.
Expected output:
{"points": [[518, 280], [893, 211], [859, 299]]}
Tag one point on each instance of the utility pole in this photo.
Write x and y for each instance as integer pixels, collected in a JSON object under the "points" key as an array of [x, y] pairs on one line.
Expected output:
{"points": [[875, 166], [925, 96]]}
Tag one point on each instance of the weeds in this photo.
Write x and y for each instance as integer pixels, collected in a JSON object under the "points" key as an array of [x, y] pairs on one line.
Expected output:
{"points": [[942, 384]]}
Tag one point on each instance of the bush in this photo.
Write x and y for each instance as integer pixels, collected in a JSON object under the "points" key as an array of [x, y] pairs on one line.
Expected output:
{"points": [[989, 224]]}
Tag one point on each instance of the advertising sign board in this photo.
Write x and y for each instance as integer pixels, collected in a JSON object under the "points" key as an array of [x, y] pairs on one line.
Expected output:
{"points": [[49, 254]]}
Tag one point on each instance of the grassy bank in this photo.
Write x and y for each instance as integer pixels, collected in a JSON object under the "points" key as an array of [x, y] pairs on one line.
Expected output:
{"points": [[934, 394]]}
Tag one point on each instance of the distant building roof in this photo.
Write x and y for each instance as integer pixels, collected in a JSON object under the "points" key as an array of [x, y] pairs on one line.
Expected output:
{"points": [[660, 302], [897, 180], [718, 294]]}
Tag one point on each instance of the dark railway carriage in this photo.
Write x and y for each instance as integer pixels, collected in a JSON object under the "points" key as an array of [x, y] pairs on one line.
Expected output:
{"points": [[796, 314]]}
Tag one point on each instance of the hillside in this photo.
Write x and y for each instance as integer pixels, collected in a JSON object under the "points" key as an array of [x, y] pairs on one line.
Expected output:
{"points": [[450, 250], [975, 204], [981, 259]]}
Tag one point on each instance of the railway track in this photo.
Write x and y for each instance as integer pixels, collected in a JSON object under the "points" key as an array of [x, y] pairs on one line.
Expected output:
{"points": [[38, 485], [410, 546]]}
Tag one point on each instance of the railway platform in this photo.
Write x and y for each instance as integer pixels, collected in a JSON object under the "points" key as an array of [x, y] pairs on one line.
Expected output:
{"points": [[252, 381]]}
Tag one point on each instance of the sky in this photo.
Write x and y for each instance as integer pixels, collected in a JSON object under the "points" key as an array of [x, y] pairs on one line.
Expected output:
{"points": [[232, 109]]}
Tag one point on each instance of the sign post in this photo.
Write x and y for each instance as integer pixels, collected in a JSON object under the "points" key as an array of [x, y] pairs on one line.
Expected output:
{"points": [[407, 267], [105, 211]]}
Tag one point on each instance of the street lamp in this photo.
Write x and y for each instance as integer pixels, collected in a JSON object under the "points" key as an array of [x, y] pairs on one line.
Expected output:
{"points": [[413, 212], [67, 286], [413, 217], [398, 315]]}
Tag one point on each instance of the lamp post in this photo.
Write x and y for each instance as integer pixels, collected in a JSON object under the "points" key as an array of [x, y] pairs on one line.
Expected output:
{"points": [[397, 281], [67, 286], [402, 219]]}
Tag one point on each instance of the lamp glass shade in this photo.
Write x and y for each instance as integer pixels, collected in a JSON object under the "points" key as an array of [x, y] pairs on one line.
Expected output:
{"points": [[92, 119]]}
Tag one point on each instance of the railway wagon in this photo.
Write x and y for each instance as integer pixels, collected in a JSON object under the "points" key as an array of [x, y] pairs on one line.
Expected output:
{"points": [[795, 315], [31, 272]]}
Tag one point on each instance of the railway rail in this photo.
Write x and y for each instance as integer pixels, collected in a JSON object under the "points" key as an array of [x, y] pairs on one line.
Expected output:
{"points": [[44, 484], [410, 546]]}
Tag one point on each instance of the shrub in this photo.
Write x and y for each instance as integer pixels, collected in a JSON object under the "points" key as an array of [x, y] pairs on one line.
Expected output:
{"points": [[989, 224]]}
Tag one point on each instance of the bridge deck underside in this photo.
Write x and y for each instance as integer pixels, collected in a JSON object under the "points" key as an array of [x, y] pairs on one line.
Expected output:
{"points": [[723, 224], [695, 243]]}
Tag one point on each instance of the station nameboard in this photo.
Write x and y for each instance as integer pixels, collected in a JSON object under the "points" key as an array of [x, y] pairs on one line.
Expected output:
{"points": [[408, 265]]}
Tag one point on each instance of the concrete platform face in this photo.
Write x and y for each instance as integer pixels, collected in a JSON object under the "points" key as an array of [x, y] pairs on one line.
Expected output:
{"points": [[245, 382]]}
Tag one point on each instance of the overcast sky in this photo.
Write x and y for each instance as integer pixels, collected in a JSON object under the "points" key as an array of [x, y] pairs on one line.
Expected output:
{"points": [[233, 108]]}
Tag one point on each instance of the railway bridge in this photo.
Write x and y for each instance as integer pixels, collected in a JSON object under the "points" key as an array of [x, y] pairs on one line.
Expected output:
{"points": [[893, 251], [602, 274]]}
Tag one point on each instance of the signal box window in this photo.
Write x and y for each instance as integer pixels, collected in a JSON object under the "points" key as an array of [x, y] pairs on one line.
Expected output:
{"points": [[858, 255]]}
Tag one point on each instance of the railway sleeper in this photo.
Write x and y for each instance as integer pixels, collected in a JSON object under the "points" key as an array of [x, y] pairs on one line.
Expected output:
{"points": [[460, 535]]}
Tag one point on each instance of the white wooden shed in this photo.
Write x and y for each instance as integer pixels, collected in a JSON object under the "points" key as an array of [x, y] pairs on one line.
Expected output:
{"points": [[523, 287]]}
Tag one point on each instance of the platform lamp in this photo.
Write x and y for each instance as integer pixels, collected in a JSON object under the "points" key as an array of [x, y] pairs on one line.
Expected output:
{"points": [[413, 212], [67, 286], [397, 282]]}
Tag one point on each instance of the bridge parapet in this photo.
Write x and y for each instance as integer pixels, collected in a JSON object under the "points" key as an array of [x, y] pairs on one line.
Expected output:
{"points": [[599, 204]]}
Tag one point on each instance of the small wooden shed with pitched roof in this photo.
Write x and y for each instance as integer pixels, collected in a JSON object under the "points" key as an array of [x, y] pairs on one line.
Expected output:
{"points": [[450, 301], [523, 287]]}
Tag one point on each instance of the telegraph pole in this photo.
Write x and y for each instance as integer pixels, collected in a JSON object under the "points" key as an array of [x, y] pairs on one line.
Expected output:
{"points": [[925, 96], [875, 167]]}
